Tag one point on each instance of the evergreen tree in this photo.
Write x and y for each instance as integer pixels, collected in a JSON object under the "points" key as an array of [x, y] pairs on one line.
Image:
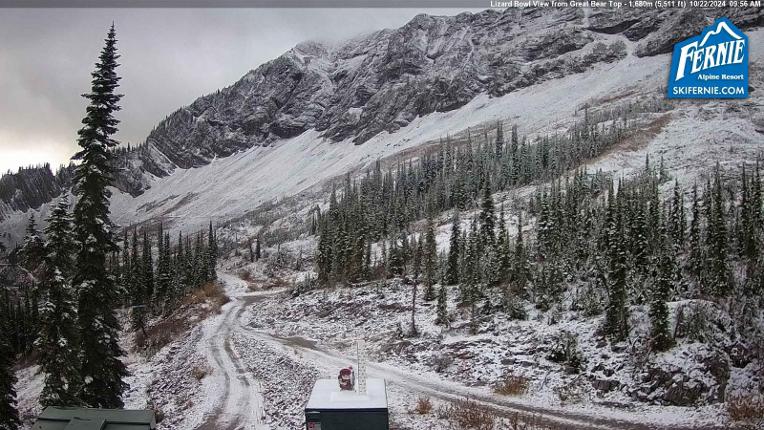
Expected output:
{"points": [[323, 255], [9, 415], [452, 268], [749, 235], [138, 298], [677, 219], [418, 246], [33, 250], [430, 257], [499, 140], [212, 254], [201, 276], [695, 261], [413, 330], [164, 271], [487, 222], [58, 343], [470, 278], [719, 282], [504, 254], [147, 267], [520, 269], [659, 312], [442, 317], [101, 369], [126, 273], [616, 318]]}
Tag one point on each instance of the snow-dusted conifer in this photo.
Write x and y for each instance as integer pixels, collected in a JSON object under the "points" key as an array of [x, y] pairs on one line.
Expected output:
{"points": [[58, 342], [430, 260], [101, 369], [660, 336], [452, 267], [9, 415], [33, 249]]}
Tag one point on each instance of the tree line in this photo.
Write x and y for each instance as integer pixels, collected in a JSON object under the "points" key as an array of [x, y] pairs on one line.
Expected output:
{"points": [[604, 244]]}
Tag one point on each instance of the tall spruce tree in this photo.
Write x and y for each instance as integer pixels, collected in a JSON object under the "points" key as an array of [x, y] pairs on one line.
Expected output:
{"points": [[499, 140], [677, 218], [164, 271], [430, 260], [101, 370], [503, 252], [661, 290], [138, 300], [9, 414], [58, 343], [147, 269], [33, 249], [719, 282], [487, 221], [452, 268], [616, 318], [442, 313], [126, 273], [748, 237], [470, 277], [212, 254], [695, 263], [521, 273], [418, 246]]}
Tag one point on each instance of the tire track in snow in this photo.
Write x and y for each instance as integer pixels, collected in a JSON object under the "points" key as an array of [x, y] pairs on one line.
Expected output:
{"points": [[240, 406]]}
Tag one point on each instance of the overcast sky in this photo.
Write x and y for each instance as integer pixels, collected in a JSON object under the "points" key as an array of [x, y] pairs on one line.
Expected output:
{"points": [[169, 58]]}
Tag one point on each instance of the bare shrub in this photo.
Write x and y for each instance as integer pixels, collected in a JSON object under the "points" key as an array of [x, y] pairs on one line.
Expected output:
{"points": [[423, 406], [468, 414], [159, 334], [245, 275], [512, 385], [747, 410], [199, 372], [171, 326], [211, 293], [277, 283]]}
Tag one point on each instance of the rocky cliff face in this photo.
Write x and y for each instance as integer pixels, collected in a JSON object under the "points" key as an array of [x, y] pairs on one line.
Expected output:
{"points": [[30, 187], [381, 82]]}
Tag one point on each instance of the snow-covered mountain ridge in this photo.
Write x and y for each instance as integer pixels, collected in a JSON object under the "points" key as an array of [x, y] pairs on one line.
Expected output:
{"points": [[383, 81]]}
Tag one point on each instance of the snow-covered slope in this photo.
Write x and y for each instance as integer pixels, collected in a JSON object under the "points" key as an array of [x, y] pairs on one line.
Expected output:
{"points": [[558, 55], [694, 138]]}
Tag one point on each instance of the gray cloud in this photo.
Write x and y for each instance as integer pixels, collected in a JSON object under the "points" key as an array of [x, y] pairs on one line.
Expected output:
{"points": [[169, 58]]}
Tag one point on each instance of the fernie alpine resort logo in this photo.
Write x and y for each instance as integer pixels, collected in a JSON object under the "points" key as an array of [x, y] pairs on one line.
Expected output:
{"points": [[711, 65]]}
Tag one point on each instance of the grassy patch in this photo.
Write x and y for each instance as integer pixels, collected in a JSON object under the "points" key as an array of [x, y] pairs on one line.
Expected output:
{"points": [[747, 410], [468, 415], [194, 307]]}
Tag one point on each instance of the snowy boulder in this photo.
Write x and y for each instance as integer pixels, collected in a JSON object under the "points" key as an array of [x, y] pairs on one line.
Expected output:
{"points": [[695, 374], [605, 385]]}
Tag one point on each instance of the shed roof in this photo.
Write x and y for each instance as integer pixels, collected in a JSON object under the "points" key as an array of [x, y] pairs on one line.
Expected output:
{"points": [[56, 418], [327, 395]]}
